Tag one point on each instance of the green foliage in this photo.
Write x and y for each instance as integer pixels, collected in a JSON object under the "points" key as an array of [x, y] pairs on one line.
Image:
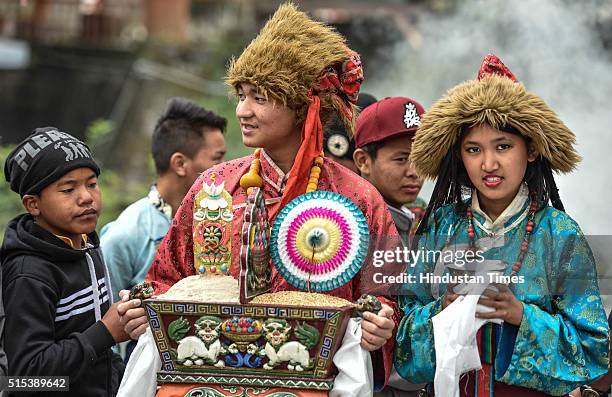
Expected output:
{"points": [[10, 202], [98, 130], [117, 195]]}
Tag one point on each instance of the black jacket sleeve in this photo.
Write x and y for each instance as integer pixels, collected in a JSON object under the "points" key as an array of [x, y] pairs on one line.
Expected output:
{"points": [[29, 334], [3, 360]]}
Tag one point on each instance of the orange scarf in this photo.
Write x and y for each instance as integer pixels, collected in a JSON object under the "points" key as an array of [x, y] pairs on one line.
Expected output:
{"points": [[342, 81], [311, 147]]}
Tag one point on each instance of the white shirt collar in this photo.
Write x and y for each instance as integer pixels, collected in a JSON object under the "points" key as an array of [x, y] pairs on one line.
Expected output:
{"points": [[514, 208]]}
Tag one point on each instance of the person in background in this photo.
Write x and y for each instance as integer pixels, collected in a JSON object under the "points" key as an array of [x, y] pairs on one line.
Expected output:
{"points": [[60, 319], [338, 144], [383, 141], [383, 138], [417, 207], [187, 140]]}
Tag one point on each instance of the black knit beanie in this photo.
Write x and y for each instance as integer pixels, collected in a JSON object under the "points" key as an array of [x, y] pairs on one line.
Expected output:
{"points": [[44, 157]]}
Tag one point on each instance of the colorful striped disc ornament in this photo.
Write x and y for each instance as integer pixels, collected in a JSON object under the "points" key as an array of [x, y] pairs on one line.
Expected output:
{"points": [[319, 241]]}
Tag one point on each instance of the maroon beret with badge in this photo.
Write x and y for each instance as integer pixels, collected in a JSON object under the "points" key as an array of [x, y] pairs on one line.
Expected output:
{"points": [[387, 118]]}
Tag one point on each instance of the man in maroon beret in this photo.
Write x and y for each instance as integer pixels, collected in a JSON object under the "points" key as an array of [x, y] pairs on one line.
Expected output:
{"points": [[383, 140]]}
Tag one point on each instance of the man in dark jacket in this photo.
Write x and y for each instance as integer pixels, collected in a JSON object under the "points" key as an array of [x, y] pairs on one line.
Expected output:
{"points": [[60, 320], [3, 363]]}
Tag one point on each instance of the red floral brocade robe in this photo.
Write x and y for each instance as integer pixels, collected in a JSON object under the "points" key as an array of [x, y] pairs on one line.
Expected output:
{"points": [[175, 259]]}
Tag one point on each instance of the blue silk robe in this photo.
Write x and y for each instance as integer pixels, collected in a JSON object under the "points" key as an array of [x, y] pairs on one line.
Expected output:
{"points": [[562, 341]]}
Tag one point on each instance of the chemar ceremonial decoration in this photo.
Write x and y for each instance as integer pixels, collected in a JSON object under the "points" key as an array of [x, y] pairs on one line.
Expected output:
{"points": [[284, 340]]}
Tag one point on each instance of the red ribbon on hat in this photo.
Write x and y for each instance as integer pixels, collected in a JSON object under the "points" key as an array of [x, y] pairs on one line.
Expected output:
{"points": [[342, 81], [491, 64]]}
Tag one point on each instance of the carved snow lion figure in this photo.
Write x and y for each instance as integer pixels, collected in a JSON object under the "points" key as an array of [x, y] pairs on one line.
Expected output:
{"points": [[278, 349], [205, 347], [367, 303], [141, 291]]}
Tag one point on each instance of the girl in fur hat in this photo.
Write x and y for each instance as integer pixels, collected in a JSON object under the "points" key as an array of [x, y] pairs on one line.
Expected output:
{"points": [[292, 77], [493, 147]]}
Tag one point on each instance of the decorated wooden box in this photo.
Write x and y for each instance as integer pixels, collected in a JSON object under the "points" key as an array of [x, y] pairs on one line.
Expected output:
{"points": [[247, 344], [317, 243]]}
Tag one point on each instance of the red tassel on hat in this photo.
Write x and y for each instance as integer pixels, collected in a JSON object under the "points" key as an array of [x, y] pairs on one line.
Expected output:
{"points": [[491, 64]]}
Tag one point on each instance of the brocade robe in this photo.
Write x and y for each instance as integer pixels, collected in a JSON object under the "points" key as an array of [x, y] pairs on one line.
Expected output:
{"points": [[562, 340], [175, 258]]}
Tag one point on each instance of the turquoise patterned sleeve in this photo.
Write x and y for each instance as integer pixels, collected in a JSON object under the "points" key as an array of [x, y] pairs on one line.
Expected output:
{"points": [[415, 356], [558, 348]]}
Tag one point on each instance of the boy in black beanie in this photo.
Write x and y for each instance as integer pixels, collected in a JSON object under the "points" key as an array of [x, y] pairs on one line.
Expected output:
{"points": [[60, 320]]}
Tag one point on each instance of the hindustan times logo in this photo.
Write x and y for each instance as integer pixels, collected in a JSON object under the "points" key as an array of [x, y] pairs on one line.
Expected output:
{"points": [[447, 278]]}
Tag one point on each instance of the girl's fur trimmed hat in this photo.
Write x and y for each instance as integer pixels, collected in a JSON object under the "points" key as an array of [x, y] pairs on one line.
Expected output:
{"points": [[497, 99], [286, 60]]}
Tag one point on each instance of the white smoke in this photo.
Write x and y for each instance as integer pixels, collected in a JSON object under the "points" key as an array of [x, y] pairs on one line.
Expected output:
{"points": [[553, 49]]}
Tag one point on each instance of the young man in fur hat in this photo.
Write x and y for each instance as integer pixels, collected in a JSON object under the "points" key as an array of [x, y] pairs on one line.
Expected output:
{"points": [[293, 76]]}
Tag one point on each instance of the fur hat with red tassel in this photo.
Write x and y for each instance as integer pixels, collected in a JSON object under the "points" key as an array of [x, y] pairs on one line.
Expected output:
{"points": [[497, 99]]}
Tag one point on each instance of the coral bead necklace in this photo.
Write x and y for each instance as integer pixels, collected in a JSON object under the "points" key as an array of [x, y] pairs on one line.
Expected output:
{"points": [[524, 245], [252, 178]]}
